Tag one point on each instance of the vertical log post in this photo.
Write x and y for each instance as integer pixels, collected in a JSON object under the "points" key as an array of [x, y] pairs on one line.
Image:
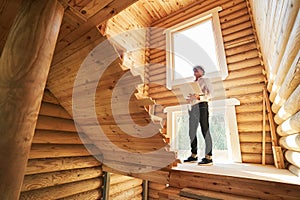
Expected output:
{"points": [[264, 129], [24, 67]]}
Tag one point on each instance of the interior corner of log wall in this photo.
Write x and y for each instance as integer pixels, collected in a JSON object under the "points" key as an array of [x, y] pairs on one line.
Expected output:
{"points": [[281, 53], [59, 165], [244, 82]]}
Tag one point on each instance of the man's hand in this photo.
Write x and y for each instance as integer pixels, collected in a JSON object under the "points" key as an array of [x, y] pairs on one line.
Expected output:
{"points": [[193, 97]]}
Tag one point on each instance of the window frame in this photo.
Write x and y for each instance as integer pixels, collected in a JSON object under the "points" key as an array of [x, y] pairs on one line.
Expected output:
{"points": [[232, 136], [220, 51]]}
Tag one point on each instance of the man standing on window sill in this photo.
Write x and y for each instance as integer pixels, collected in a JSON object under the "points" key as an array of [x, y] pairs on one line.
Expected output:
{"points": [[199, 114]]}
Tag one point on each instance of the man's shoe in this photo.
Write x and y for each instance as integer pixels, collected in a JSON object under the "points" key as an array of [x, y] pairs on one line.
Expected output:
{"points": [[191, 159], [205, 162]]}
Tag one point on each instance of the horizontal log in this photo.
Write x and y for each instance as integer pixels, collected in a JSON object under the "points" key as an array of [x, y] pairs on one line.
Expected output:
{"points": [[137, 197], [295, 170], [153, 50], [171, 193], [90, 195], [132, 119], [153, 194], [117, 178], [242, 56], [154, 88], [124, 186], [38, 181], [290, 107], [53, 123], [255, 147], [61, 191], [249, 117], [253, 137], [54, 110], [58, 137], [238, 35], [196, 193], [158, 176], [255, 126], [57, 150], [293, 157], [243, 17], [157, 77], [35, 166], [257, 158], [58, 81], [290, 142], [232, 7], [156, 186], [133, 193], [139, 162], [247, 39], [164, 94], [249, 98], [290, 126], [249, 107], [234, 15], [251, 62], [157, 82], [156, 54], [77, 45], [227, 184], [153, 67], [241, 48], [170, 101], [116, 130], [244, 90], [236, 28], [126, 141], [246, 80], [106, 89], [159, 60]]}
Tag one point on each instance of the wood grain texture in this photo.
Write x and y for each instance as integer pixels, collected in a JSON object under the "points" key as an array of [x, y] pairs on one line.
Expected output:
{"points": [[24, 66], [8, 12], [61, 191], [232, 185], [44, 165], [44, 180]]}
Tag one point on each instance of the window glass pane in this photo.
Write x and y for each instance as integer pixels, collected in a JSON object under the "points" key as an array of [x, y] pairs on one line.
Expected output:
{"points": [[217, 128], [194, 46]]}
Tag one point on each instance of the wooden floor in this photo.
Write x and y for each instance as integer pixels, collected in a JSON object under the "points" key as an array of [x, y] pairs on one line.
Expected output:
{"points": [[251, 171]]}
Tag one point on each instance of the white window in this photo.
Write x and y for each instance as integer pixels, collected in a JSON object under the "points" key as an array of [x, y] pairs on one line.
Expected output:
{"points": [[197, 41], [222, 125]]}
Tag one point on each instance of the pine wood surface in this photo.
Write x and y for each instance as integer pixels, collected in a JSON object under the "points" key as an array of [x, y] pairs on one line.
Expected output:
{"points": [[245, 81], [23, 78]]}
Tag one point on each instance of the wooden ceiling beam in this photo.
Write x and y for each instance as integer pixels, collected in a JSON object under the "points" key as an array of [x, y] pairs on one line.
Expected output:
{"points": [[103, 15]]}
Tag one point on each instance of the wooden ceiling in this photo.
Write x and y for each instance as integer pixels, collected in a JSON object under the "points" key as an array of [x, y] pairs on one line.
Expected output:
{"points": [[82, 15]]}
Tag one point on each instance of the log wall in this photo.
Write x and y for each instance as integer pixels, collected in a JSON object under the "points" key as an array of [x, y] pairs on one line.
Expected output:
{"points": [[154, 189], [125, 187], [132, 22], [118, 125], [59, 166], [278, 29], [245, 81], [226, 187]]}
